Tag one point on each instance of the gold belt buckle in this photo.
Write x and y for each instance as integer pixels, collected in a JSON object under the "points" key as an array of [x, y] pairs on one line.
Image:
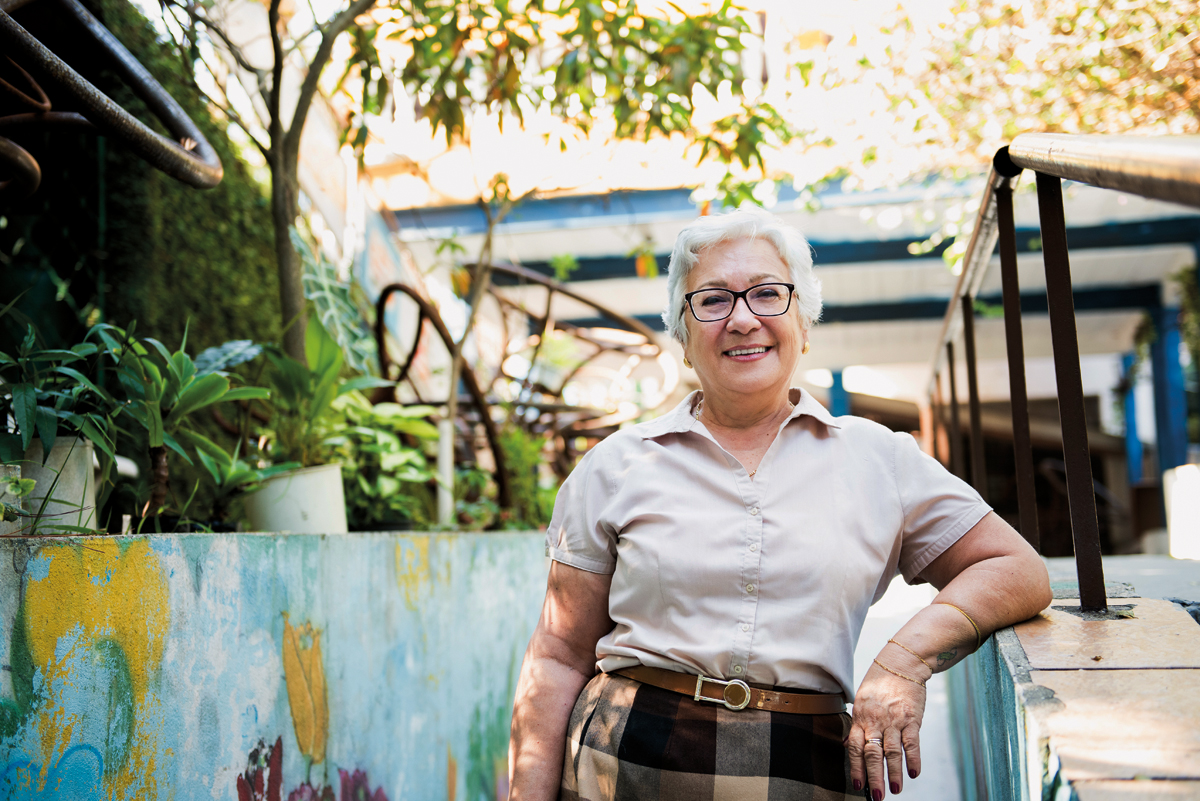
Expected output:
{"points": [[724, 699]]}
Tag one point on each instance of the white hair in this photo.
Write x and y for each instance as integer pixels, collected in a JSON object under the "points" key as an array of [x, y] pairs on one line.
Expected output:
{"points": [[748, 222]]}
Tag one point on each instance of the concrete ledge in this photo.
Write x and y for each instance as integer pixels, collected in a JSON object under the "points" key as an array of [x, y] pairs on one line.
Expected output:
{"points": [[380, 666], [1062, 707]]}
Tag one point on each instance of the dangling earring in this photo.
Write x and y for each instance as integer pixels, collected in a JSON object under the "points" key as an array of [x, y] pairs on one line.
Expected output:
{"points": [[686, 363], [804, 351]]}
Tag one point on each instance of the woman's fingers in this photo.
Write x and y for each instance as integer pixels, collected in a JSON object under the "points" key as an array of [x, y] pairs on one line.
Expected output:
{"points": [[910, 738], [854, 749], [893, 754]]}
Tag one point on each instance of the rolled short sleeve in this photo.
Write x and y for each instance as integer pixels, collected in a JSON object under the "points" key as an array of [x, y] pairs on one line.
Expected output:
{"points": [[578, 535], [938, 506]]}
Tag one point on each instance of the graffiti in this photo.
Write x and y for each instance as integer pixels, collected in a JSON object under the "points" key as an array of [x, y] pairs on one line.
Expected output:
{"points": [[305, 677], [89, 634], [76, 776], [263, 781], [161, 666]]}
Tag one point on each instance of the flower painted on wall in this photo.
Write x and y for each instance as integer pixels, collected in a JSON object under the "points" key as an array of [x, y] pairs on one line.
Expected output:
{"points": [[263, 778], [356, 787], [305, 677]]}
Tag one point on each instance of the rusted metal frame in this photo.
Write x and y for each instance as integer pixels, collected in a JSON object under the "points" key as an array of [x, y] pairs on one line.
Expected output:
{"points": [[503, 487], [974, 265], [1159, 167], [201, 168], [1015, 347], [978, 465], [956, 458], [1081, 496], [545, 323], [27, 174], [385, 362], [41, 104]]}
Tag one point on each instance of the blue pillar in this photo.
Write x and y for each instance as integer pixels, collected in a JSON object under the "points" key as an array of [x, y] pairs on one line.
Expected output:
{"points": [[1133, 444], [839, 399], [1170, 402]]}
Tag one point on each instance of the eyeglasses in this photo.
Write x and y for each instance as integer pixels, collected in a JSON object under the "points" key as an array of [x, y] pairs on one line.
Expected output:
{"points": [[763, 300]]}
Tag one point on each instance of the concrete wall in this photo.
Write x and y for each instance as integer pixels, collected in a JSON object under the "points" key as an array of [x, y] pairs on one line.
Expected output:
{"points": [[250, 666]]}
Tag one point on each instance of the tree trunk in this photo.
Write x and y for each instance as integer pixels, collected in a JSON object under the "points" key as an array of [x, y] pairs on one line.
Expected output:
{"points": [[159, 479], [284, 209]]}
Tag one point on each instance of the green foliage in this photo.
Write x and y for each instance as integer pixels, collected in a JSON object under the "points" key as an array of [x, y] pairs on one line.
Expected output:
{"points": [[303, 395], [385, 473], [340, 306], [563, 265], [231, 475], [523, 456]]}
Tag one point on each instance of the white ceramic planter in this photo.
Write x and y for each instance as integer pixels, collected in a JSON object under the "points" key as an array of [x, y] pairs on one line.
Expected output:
{"points": [[65, 482], [305, 501]]}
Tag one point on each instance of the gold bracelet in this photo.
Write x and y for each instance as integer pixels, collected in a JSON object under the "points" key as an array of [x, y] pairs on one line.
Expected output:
{"points": [[897, 673], [978, 636], [914, 653]]}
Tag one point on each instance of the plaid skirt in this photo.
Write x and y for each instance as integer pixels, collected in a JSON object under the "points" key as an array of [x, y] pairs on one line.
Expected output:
{"points": [[629, 741]]}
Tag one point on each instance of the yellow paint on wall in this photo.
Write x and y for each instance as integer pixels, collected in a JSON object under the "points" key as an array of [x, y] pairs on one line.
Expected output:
{"points": [[91, 592], [305, 678], [412, 568], [451, 775]]}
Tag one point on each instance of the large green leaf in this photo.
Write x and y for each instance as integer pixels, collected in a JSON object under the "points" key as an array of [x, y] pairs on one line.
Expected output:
{"points": [[91, 429], [321, 351], [212, 467], [226, 355], [203, 391], [246, 393], [24, 402], [10, 448], [184, 367], [153, 381], [47, 426], [363, 382], [174, 445], [203, 444], [82, 379]]}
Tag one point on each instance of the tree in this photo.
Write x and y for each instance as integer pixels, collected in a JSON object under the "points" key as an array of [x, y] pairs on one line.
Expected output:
{"points": [[579, 59]]}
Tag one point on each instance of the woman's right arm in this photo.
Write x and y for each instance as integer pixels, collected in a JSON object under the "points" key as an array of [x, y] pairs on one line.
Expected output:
{"points": [[560, 660]]}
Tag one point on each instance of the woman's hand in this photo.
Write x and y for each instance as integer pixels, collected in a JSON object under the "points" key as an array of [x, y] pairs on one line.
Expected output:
{"points": [[890, 708]]}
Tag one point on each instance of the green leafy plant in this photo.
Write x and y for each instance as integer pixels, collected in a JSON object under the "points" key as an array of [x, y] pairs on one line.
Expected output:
{"points": [[301, 419], [385, 473], [231, 474], [17, 489], [164, 390], [532, 503]]}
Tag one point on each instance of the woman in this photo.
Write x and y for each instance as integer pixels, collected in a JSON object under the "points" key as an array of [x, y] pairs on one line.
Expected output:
{"points": [[742, 537]]}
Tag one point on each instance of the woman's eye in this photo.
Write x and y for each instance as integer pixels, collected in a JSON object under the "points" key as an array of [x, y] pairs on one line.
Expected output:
{"points": [[714, 300], [767, 293]]}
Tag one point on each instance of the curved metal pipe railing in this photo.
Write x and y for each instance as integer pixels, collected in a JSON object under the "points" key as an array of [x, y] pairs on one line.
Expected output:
{"points": [[190, 158]]}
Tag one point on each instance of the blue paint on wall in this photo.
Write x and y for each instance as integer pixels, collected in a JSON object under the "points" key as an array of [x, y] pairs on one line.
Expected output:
{"points": [[417, 639], [839, 399], [1133, 443], [1170, 400]]}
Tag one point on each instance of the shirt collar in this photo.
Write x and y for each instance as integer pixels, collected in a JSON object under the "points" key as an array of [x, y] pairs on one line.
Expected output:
{"points": [[682, 417]]}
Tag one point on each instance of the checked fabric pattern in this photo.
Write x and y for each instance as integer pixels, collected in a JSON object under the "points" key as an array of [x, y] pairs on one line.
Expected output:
{"points": [[634, 742]]}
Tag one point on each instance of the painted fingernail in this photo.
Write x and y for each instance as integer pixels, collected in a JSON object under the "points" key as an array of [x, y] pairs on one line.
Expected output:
{"points": [[877, 795], [895, 788], [857, 784], [912, 773]]}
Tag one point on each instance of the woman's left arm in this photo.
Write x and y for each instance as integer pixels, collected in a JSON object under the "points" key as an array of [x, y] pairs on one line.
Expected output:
{"points": [[989, 579]]}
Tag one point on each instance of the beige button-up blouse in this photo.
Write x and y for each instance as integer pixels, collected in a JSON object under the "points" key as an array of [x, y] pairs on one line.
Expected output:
{"points": [[765, 579]]}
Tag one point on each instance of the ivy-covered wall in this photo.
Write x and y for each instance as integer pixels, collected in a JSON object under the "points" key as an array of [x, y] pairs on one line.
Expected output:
{"points": [[108, 237]]}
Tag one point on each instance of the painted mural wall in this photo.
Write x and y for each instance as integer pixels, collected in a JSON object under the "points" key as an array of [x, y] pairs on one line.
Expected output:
{"points": [[261, 667]]}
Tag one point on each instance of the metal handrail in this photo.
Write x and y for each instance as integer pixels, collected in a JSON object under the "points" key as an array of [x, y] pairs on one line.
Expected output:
{"points": [[190, 158], [1163, 168]]}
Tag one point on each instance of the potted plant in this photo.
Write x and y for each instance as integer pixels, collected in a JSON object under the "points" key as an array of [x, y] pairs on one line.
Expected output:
{"points": [[54, 416], [309, 499], [165, 389], [385, 474]]}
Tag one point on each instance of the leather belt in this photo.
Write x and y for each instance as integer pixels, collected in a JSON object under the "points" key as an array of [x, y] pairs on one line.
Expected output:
{"points": [[736, 694]]}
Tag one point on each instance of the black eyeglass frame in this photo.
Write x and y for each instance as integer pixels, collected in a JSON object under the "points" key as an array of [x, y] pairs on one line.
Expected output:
{"points": [[687, 299]]}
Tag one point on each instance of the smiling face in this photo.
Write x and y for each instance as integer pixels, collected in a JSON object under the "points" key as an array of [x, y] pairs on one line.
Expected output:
{"points": [[743, 354]]}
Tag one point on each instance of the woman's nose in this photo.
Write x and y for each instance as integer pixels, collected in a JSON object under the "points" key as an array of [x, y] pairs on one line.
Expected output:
{"points": [[741, 319]]}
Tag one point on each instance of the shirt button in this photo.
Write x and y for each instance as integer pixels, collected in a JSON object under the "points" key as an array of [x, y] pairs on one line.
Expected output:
{"points": [[753, 547], [753, 510], [749, 588], [745, 627], [737, 669]]}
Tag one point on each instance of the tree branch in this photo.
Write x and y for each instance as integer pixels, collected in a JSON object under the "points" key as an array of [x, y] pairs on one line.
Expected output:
{"points": [[234, 51], [308, 89], [273, 98]]}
